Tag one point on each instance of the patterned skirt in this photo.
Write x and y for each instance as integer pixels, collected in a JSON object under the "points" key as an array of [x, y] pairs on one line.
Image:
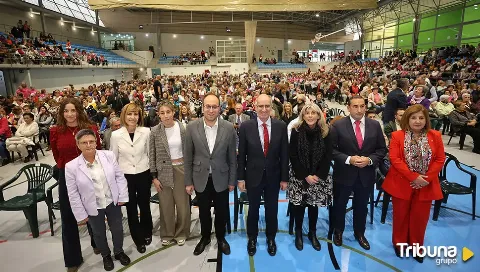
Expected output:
{"points": [[299, 192]]}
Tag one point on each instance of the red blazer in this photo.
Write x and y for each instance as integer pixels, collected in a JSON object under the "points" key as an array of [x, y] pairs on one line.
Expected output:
{"points": [[399, 176]]}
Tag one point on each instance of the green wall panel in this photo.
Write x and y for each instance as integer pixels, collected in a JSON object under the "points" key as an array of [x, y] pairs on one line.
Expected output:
{"points": [[405, 28], [471, 31], [446, 34], [426, 36], [405, 41], [471, 14], [449, 18], [428, 23]]}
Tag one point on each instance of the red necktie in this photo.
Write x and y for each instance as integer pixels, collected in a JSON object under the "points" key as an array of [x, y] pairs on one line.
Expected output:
{"points": [[358, 134], [266, 139]]}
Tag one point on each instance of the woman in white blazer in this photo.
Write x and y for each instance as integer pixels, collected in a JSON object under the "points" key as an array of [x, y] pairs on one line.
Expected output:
{"points": [[130, 146]]}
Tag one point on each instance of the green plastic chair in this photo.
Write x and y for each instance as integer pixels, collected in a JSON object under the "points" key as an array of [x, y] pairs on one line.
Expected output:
{"points": [[37, 175]]}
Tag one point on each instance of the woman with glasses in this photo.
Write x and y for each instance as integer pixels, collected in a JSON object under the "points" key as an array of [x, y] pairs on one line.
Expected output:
{"points": [[130, 146]]}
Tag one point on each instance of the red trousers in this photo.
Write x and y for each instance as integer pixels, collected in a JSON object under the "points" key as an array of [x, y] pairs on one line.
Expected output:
{"points": [[410, 218]]}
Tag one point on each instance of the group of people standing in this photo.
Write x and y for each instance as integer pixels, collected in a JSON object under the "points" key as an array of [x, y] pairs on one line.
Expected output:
{"points": [[211, 157]]}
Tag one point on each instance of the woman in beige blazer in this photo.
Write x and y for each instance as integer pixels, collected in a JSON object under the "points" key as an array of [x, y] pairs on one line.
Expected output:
{"points": [[166, 167]]}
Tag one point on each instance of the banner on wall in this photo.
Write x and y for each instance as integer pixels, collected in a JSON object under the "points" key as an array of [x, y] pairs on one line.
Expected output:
{"points": [[3, 88]]}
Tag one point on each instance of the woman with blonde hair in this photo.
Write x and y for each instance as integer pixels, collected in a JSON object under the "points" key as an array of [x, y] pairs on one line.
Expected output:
{"points": [[310, 185], [288, 115], [130, 144]]}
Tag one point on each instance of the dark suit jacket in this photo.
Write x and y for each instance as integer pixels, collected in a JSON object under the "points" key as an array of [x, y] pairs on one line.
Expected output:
{"points": [[345, 144], [252, 161], [280, 97], [396, 99], [299, 169], [389, 128]]}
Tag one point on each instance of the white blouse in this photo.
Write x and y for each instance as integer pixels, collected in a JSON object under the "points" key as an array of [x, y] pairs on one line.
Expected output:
{"points": [[174, 141]]}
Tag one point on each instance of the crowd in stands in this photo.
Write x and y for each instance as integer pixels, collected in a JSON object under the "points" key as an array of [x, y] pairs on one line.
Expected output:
{"points": [[192, 58], [445, 82], [17, 47]]}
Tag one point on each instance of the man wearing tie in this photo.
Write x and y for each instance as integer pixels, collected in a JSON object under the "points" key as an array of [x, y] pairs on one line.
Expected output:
{"points": [[358, 146], [238, 118], [210, 161], [262, 170]]}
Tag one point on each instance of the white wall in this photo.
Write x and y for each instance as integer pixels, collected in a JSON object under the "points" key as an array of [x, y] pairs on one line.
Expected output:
{"points": [[51, 79], [353, 46], [175, 44], [185, 70], [142, 41]]}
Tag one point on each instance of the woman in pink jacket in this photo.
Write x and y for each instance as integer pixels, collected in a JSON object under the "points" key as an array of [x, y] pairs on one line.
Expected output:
{"points": [[97, 188]]}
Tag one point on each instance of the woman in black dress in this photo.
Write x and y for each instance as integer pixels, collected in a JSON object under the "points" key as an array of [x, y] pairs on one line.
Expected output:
{"points": [[310, 184]]}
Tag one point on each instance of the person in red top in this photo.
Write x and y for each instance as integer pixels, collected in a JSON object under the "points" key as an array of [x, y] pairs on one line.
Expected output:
{"points": [[5, 133], [71, 119], [416, 156]]}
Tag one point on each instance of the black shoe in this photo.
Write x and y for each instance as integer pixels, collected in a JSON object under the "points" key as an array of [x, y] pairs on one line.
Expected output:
{"points": [[271, 247], [362, 241], [123, 258], [223, 246], [312, 236], [141, 248], [96, 251], [148, 241], [108, 263], [418, 259], [299, 240], [337, 238], [201, 246], [252, 246]]}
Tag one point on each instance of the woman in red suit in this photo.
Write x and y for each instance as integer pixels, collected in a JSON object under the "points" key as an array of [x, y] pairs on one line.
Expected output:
{"points": [[416, 155], [71, 119]]}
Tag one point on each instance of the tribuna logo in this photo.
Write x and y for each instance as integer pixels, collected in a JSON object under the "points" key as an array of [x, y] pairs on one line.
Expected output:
{"points": [[441, 254]]}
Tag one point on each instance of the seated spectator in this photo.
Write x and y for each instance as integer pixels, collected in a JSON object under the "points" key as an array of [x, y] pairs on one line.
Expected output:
{"points": [[44, 120], [107, 134], [392, 126], [23, 137], [5, 133], [463, 121], [444, 107], [418, 97], [375, 100]]}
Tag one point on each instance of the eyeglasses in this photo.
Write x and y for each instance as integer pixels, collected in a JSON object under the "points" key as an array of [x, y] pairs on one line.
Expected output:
{"points": [[264, 106], [87, 143], [211, 107]]}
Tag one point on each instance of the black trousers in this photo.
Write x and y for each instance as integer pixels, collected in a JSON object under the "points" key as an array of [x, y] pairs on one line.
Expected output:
{"points": [[299, 213], [270, 191], [220, 203], [72, 251], [114, 219], [139, 193], [360, 201], [474, 132]]}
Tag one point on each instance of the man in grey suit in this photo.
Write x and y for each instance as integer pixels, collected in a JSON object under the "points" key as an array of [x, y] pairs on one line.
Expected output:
{"points": [[239, 117], [210, 159]]}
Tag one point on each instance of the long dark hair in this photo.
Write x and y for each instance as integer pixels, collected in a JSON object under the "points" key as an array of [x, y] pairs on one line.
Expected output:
{"points": [[82, 119]]}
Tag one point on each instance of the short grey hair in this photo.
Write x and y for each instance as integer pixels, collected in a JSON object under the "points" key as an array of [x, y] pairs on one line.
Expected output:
{"points": [[113, 119], [84, 132]]}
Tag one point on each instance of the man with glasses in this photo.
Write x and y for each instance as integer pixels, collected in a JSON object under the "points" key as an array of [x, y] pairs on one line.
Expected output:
{"points": [[262, 170], [210, 169]]}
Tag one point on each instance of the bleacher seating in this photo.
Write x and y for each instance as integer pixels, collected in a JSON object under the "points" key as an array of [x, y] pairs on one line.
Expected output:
{"points": [[281, 65], [110, 56]]}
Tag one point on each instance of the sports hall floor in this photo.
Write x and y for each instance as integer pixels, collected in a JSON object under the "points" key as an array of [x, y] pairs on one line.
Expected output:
{"points": [[20, 252]]}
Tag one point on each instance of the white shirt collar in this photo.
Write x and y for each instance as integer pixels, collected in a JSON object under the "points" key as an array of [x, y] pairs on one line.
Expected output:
{"points": [[269, 122], [362, 121], [205, 124], [94, 162]]}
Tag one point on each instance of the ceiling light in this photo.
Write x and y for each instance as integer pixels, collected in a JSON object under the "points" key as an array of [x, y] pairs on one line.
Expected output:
{"points": [[230, 39], [31, 14], [258, 40], [146, 34], [202, 37], [289, 41], [317, 15], [174, 35]]}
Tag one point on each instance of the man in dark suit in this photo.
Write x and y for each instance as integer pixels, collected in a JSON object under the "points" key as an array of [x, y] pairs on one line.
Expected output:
{"points": [[210, 161], [396, 99], [358, 146], [263, 170]]}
